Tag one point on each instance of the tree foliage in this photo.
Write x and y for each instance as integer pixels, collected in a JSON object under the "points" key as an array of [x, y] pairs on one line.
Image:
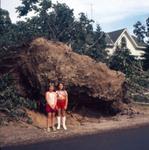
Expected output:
{"points": [[54, 22], [146, 56], [123, 61], [142, 33], [139, 31], [137, 79]]}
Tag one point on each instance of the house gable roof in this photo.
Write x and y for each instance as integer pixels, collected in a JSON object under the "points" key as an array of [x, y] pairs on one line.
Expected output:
{"points": [[108, 40], [112, 38], [139, 43], [115, 34]]}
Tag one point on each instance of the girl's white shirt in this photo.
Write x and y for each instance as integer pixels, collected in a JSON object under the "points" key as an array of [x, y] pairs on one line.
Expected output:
{"points": [[61, 93], [51, 98]]}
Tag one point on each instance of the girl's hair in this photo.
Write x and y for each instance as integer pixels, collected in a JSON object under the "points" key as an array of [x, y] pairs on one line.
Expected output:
{"points": [[51, 83], [59, 84]]}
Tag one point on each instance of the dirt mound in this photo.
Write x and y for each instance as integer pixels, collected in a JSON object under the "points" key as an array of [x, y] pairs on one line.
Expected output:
{"points": [[86, 80], [89, 83], [39, 120]]}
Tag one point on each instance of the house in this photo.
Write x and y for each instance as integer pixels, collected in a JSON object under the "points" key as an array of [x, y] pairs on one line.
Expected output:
{"points": [[123, 39]]}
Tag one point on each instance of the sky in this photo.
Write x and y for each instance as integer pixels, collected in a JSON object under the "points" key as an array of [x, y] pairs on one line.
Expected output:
{"points": [[110, 14]]}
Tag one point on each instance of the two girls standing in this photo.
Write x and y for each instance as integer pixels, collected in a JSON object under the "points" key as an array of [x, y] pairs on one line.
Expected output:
{"points": [[56, 102]]}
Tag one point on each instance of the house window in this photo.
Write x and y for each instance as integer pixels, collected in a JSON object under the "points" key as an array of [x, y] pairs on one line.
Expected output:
{"points": [[123, 43]]}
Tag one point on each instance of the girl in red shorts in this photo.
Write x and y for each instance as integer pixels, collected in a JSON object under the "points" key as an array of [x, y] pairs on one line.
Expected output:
{"points": [[62, 103], [51, 99]]}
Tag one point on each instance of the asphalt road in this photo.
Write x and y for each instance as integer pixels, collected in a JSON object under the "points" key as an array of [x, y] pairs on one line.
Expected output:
{"points": [[126, 139]]}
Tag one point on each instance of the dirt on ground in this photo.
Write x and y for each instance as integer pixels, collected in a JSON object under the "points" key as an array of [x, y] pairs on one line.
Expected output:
{"points": [[23, 133]]}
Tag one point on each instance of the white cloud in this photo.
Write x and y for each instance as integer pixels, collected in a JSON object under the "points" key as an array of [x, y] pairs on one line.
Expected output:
{"points": [[108, 11]]}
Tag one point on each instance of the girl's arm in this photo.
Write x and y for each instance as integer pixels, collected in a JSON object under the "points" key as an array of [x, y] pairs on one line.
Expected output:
{"points": [[66, 100], [55, 99], [47, 98]]}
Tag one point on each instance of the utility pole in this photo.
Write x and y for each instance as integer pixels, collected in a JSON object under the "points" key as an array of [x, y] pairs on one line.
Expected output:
{"points": [[91, 5], [0, 3]]}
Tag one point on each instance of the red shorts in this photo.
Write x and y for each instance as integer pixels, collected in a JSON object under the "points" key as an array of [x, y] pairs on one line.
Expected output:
{"points": [[61, 104], [49, 109]]}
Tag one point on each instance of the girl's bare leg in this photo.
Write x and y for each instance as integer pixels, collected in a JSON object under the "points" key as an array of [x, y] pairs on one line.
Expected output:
{"points": [[59, 112], [63, 112], [53, 121], [49, 121]]}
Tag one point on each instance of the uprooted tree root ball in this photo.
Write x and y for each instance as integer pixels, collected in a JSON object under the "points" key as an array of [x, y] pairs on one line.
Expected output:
{"points": [[88, 82]]}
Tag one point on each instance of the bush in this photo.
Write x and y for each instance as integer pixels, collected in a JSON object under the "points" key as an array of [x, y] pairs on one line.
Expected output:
{"points": [[137, 79], [11, 103]]}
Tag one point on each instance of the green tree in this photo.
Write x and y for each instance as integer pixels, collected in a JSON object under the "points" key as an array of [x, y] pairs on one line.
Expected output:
{"points": [[87, 41], [146, 58], [56, 22], [137, 80], [62, 22], [5, 25], [123, 61], [27, 6], [5, 21], [146, 54], [83, 34], [142, 33], [139, 31], [61, 25]]}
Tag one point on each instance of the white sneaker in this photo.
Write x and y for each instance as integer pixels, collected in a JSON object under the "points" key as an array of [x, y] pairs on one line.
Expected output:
{"points": [[53, 128], [58, 123], [48, 130]]}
